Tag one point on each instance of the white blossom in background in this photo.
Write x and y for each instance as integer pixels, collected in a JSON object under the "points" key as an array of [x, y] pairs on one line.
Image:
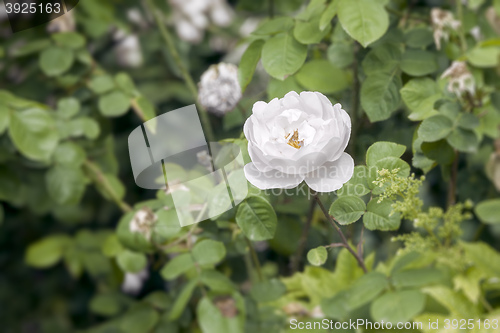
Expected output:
{"points": [[133, 282], [297, 138], [192, 17], [143, 222], [219, 89], [128, 49], [63, 23], [476, 33], [460, 79], [205, 159], [443, 22]]}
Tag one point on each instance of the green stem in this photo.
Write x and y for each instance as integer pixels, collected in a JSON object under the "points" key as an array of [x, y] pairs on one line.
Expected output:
{"points": [[98, 177], [255, 259], [452, 188], [359, 258], [205, 120], [460, 16]]}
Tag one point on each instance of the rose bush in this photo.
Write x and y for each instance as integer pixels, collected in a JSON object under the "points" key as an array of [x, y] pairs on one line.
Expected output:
{"points": [[412, 233], [296, 138]]}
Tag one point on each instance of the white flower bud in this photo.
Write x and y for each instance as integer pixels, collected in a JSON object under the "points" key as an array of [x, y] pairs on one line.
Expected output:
{"points": [[219, 89], [460, 79], [443, 21], [128, 50], [133, 282], [143, 222], [192, 17]]}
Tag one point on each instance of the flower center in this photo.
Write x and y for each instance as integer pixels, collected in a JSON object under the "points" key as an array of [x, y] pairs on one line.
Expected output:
{"points": [[294, 140]]}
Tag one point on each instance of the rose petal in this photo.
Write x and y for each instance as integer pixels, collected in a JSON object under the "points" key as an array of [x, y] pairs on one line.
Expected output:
{"points": [[270, 179], [332, 175]]}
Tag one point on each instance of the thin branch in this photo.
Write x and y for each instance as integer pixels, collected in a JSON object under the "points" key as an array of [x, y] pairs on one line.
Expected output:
{"points": [[255, 259], [452, 188], [330, 219], [98, 176], [297, 258], [205, 120]]}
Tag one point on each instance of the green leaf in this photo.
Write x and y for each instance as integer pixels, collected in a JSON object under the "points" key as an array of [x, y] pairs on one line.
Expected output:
{"points": [[65, 184], [467, 121], [456, 303], [55, 61], [71, 40], [67, 108], [463, 140], [248, 63], [435, 128], [336, 307], [126, 84], [398, 306], [139, 319], [380, 95], [69, 154], [131, 262], [357, 185], [366, 288], [417, 277], [146, 107], [316, 75], [419, 96], [209, 252], [114, 104], [282, 55], [101, 84], [419, 37], [378, 216], [484, 257], [439, 151], [31, 47], [274, 26], [317, 256], [484, 57], [177, 266], [383, 149], [340, 54], [4, 118], [112, 246], [419, 62], [488, 211], [384, 58], [216, 281], [309, 32], [211, 320], [105, 304], [182, 300], [278, 88], [267, 291], [364, 20], [33, 133], [347, 209], [256, 217], [47, 251], [328, 15]]}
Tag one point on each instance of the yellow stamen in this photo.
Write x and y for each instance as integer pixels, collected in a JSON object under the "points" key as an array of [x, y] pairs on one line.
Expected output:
{"points": [[294, 140]]}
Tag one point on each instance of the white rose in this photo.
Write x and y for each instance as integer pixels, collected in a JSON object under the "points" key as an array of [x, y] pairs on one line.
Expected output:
{"points": [[298, 138]]}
